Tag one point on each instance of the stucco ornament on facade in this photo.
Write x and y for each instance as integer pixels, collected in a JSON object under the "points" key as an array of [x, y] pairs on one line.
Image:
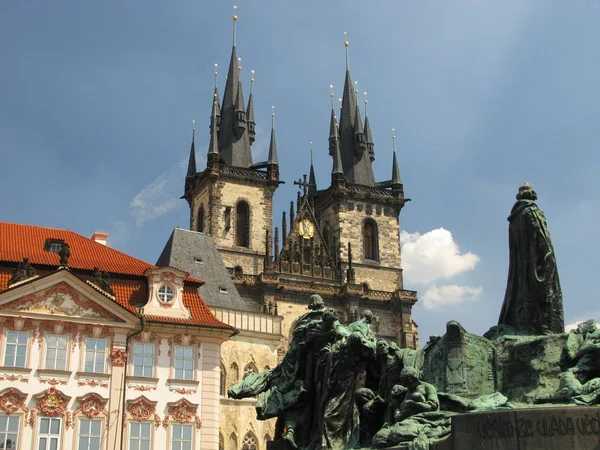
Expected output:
{"points": [[11, 400], [141, 409], [118, 357], [52, 403], [91, 405]]}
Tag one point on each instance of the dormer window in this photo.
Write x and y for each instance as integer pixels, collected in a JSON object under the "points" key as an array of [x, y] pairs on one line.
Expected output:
{"points": [[53, 245], [166, 294]]}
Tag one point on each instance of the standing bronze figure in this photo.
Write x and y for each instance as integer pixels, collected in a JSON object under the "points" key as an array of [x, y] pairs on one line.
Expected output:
{"points": [[533, 299]]}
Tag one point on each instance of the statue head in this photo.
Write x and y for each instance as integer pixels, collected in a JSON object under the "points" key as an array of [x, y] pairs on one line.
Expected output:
{"points": [[367, 316], [589, 326], [526, 192], [315, 302], [329, 318], [409, 377]]}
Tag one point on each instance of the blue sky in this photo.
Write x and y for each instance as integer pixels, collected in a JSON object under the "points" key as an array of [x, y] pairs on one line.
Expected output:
{"points": [[97, 100]]}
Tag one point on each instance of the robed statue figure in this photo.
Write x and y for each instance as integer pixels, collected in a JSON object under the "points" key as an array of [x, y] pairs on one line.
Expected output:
{"points": [[533, 299]]}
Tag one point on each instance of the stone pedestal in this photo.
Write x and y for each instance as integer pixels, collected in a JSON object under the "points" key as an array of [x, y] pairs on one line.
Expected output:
{"points": [[528, 429]]}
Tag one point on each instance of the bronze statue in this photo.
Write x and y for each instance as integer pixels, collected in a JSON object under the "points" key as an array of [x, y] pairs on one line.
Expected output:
{"points": [[533, 300]]}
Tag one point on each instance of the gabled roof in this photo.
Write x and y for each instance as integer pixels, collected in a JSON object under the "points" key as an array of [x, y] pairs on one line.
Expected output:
{"points": [[197, 254], [128, 280]]}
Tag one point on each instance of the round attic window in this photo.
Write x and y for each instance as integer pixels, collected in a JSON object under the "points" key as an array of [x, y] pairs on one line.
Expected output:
{"points": [[166, 294]]}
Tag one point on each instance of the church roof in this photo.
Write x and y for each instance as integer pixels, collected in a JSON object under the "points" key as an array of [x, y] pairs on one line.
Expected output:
{"points": [[128, 279], [197, 254]]}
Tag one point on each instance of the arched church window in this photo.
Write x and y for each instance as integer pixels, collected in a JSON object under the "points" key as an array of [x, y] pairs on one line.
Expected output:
{"points": [[233, 374], [250, 369], [200, 222], [233, 441], [250, 442], [237, 270], [370, 240], [223, 381], [242, 224]]}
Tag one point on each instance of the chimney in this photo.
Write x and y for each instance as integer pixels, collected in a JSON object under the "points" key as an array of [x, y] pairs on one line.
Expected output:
{"points": [[100, 237]]}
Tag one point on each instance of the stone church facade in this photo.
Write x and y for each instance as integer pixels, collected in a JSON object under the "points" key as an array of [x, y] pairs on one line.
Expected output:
{"points": [[341, 242]]}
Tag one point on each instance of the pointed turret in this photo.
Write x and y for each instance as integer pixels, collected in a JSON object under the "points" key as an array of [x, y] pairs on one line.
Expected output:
{"points": [[273, 161], [337, 172], [213, 158], [191, 171], [369, 139], [250, 114], [216, 111], [360, 142], [234, 142], [332, 133], [312, 181], [397, 187]]}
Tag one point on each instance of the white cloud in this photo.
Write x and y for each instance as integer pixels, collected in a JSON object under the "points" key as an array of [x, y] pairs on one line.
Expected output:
{"points": [[158, 197], [433, 256], [449, 294]]}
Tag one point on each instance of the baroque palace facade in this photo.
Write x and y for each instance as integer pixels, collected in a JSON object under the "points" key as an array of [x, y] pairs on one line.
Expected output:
{"points": [[92, 361], [341, 242]]}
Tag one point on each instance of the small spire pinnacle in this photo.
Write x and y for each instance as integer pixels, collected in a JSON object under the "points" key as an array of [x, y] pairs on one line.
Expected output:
{"points": [[216, 75], [192, 161], [273, 144], [396, 180], [251, 81], [346, 44], [234, 18], [331, 95], [337, 157], [213, 145], [312, 180], [366, 103]]}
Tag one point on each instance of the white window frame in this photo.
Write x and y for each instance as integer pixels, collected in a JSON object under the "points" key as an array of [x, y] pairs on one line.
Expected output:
{"points": [[184, 359], [138, 438], [95, 353], [144, 357], [18, 344], [165, 293], [6, 433], [88, 434], [178, 439], [54, 360], [49, 436]]}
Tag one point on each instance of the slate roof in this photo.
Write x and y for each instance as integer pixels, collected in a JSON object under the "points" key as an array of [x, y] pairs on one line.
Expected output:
{"points": [[197, 254], [128, 280]]}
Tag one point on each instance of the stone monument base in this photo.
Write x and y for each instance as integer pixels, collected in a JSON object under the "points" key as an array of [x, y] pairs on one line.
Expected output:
{"points": [[563, 428]]}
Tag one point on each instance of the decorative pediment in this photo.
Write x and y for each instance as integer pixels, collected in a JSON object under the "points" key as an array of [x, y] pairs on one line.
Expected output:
{"points": [[12, 399], [165, 293], [141, 409], [182, 411], [91, 405], [52, 403], [61, 300]]}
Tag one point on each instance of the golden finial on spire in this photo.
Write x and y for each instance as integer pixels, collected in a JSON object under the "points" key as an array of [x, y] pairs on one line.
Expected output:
{"points": [[273, 116], [234, 17], [340, 100], [193, 125], [311, 153], [331, 94], [216, 73], [251, 81], [394, 138], [346, 44], [366, 102], [356, 88]]}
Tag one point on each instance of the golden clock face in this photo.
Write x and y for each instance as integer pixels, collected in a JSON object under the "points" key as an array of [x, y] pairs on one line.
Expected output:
{"points": [[306, 229]]}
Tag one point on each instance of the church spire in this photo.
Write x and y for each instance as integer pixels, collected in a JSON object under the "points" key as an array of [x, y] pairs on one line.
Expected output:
{"points": [[192, 161], [356, 166], [337, 172], [216, 110], [234, 143], [272, 162]]}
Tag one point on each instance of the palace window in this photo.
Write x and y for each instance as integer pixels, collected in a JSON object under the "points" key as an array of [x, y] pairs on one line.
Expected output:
{"points": [[89, 434], [184, 363], [242, 224], [56, 352], [370, 240], [165, 293], [49, 433], [95, 355], [143, 360], [16, 349], [250, 442], [201, 219], [181, 437], [140, 437], [9, 432]]}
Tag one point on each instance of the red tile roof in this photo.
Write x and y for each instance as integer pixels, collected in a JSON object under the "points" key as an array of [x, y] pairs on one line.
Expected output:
{"points": [[18, 241]]}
